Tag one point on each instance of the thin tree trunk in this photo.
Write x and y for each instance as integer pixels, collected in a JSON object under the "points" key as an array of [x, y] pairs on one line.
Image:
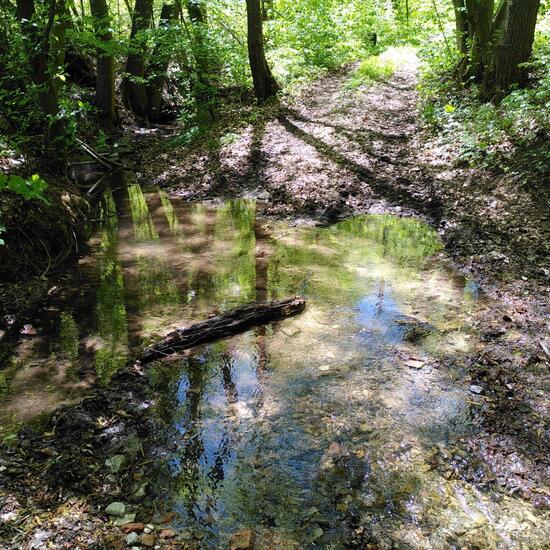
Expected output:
{"points": [[159, 65], [461, 27], [196, 11], [134, 89], [514, 47], [105, 83], [265, 85]]}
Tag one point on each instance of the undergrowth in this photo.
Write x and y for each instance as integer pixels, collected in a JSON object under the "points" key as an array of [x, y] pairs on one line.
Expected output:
{"points": [[379, 68], [487, 133]]}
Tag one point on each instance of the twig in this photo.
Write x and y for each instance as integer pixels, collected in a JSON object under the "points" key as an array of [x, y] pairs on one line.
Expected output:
{"points": [[97, 156]]}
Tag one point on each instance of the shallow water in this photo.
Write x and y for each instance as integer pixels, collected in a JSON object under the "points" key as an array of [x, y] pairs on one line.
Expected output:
{"points": [[316, 431]]}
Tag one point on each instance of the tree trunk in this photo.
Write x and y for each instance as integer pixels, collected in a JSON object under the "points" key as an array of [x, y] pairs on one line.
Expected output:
{"points": [[265, 86], [105, 83], [514, 46], [461, 27], [46, 51], [134, 89], [223, 326], [480, 19], [267, 10], [159, 65], [196, 11], [38, 56], [80, 68]]}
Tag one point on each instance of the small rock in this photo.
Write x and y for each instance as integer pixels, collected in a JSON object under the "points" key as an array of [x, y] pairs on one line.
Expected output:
{"points": [[365, 428], [132, 538], [148, 539], [140, 492], [342, 507], [126, 518], [414, 364], [29, 330], [137, 526], [317, 533], [168, 517], [116, 509], [243, 540], [476, 389], [167, 534]]}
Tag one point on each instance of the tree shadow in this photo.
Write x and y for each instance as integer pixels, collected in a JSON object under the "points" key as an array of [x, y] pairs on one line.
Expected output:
{"points": [[395, 190], [350, 133]]}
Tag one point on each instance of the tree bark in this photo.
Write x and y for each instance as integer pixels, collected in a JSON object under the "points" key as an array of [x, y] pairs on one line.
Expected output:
{"points": [[480, 20], [196, 11], [514, 46], [134, 89], [265, 85], [105, 82], [38, 56], [223, 326], [462, 34], [80, 68], [159, 65]]}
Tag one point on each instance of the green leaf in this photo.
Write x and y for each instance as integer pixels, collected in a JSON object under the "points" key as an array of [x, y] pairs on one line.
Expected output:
{"points": [[449, 109]]}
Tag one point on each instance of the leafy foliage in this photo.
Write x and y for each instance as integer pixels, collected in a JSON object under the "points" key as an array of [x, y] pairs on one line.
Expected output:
{"points": [[486, 131], [29, 188]]}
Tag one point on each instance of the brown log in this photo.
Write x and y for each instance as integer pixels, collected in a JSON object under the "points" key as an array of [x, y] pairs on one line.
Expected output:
{"points": [[222, 326]]}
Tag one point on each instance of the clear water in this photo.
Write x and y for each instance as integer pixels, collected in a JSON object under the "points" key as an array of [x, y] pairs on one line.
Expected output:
{"points": [[313, 431]]}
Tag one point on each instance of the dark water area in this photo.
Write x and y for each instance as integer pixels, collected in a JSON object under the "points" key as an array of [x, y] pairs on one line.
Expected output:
{"points": [[304, 431]]}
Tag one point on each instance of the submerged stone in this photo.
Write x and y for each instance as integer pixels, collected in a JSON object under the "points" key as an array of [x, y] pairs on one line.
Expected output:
{"points": [[132, 538], [115, 463], [116, 509]]}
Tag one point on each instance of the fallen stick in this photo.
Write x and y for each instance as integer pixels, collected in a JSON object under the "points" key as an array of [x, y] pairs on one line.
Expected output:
{"points": [[222, 326]]}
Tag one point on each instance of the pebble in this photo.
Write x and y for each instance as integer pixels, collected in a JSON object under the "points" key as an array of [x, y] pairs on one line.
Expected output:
{"points": [[476, 389], [132, 527], [167, 534], [414, 364], [115, 463], [116, 509], [140, 492], [125, 519], [132, 538], [148, 539]]}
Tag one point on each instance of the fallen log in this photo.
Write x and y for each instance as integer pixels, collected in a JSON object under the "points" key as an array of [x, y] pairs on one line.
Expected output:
{"points": [[222, 326]]}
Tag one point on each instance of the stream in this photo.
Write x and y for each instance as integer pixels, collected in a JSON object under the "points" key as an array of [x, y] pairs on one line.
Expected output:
{"points": [[339, 428]]}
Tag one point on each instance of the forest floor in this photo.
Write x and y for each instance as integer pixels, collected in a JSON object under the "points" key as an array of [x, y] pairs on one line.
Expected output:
{"points": [[335, 151], [327, 154]]}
